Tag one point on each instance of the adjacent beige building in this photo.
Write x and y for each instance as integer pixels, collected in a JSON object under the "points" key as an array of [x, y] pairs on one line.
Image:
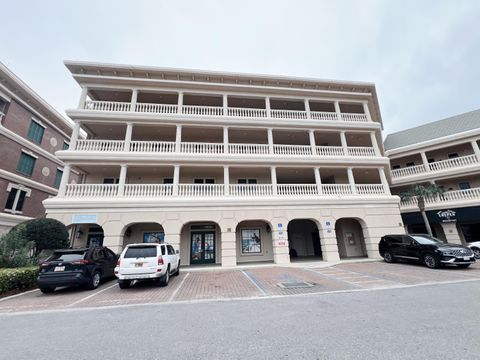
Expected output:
{"points": [[229, 168], [444, 152]]}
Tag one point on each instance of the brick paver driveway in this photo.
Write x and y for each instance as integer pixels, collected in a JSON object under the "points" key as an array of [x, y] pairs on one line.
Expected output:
{"points": [[255, 282]]}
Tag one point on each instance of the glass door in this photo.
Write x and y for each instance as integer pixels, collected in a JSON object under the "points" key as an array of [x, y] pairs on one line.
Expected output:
{"points": [[202, 248]]}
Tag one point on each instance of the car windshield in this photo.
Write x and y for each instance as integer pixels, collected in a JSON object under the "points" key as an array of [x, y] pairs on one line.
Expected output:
{"points": [[140, 251], [70, 256], [427, 240]]}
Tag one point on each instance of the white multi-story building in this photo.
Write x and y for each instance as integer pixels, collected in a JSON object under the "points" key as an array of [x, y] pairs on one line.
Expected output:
{"points": [[444, 152], [229, 168]]}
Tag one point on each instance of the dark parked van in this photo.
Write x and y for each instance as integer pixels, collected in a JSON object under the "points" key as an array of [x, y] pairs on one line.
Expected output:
{"points": [[425, 249]]}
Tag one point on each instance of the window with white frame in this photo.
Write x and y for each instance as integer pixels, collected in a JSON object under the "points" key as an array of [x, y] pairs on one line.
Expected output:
{"points": [[111, 180], [66, 145], [246, 181], [203, 181], [16, 197]]}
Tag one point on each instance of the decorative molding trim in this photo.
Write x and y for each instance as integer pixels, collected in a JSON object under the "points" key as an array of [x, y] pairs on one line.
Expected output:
{"points": [[24, 142], [7, 175]]}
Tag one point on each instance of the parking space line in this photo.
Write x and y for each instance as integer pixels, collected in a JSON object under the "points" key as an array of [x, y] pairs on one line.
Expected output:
{"points": [[90, 296], [178, 288], [17, 295], [333, 277], [255, 282]]}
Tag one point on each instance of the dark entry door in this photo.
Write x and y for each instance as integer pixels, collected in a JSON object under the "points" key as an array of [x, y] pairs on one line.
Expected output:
{"points": [[202, 250], [317, 249]]}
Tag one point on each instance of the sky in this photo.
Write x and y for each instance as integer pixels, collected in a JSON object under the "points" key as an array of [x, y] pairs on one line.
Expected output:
{"points": [[423, 56]]}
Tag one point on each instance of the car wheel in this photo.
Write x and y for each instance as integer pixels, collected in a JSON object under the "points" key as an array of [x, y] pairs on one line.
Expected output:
{"points": [[47, 290], [124, 284], [165, 278], [177, 272], [94, 281], [463, 266], [476, 252], [388, 257], [431, 261]]}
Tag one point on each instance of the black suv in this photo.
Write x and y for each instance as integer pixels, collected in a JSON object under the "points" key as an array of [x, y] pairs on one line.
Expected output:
{"points": [[424, 249], [70, 267]]}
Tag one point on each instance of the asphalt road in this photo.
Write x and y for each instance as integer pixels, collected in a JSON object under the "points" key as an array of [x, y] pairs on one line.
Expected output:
{"points": [[438, 321]]}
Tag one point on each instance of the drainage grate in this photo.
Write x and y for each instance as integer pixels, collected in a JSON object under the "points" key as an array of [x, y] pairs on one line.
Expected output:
{"points": [[296, 285]]}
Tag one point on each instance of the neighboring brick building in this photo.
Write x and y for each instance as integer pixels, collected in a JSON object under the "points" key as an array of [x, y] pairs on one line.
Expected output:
{"points": [[30, 133]]}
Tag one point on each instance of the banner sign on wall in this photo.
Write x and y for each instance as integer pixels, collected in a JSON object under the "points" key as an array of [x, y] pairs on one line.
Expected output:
{"points": [[447, 215], [84, 219]]}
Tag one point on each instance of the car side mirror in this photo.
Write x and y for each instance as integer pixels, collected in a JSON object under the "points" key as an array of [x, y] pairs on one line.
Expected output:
{"points": [[413, 243], [177, 251]]}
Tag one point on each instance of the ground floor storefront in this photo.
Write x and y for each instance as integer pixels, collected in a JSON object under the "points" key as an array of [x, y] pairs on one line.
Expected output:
{"points": [[243, 235], [454, 225]]}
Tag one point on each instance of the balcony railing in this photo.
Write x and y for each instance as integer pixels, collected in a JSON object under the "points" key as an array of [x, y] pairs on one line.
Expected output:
{"points": [[455, 163], [455, 196], [221, 111], [219, 148], [93, 191]]}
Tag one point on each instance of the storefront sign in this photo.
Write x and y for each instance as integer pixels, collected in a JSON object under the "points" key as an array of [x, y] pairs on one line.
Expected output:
{"points": [[447, 215], [84, 219], [328, 226]]}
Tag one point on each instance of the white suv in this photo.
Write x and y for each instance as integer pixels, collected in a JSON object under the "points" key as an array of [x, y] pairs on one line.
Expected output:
{"points": [[147, 262]]}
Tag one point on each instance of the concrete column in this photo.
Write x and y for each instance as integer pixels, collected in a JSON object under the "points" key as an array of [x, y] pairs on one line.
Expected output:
{"points": [[337, 110], [273, 173], [176, 179], [173, 239], [281, 253], [180, 102], [366, 110], [307, 108], [375, 146], [113, 242], [83, 98], [270, 141], [128, 137], [343, 139], [75, 133], [311, 135], [476, 149], [351, 180], [133, 102], [425, 161], [178, 138], [318, 180], [63, 183], [328, 241], [383, 179], [451, 233], [122, 180], [229, 248], [226, 180], [225, 139], [267, 106], [225, 104]]}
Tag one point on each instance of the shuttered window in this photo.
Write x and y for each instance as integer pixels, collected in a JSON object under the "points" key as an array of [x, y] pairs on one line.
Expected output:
{"points": [[35, 132]]}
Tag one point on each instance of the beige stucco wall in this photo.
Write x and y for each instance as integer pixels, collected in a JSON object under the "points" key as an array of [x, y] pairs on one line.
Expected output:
{"points": [[378, 219]]}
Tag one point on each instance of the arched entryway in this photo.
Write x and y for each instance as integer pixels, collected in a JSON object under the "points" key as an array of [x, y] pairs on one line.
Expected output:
{"points": [[143, 232], [254, 241], [200, 243], [304, 240], [350, 239], [85, 235]]}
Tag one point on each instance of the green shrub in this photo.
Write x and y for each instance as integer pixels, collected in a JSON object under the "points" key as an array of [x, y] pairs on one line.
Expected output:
{"points": [[15, 248], [17, 279], [47, 234]]}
